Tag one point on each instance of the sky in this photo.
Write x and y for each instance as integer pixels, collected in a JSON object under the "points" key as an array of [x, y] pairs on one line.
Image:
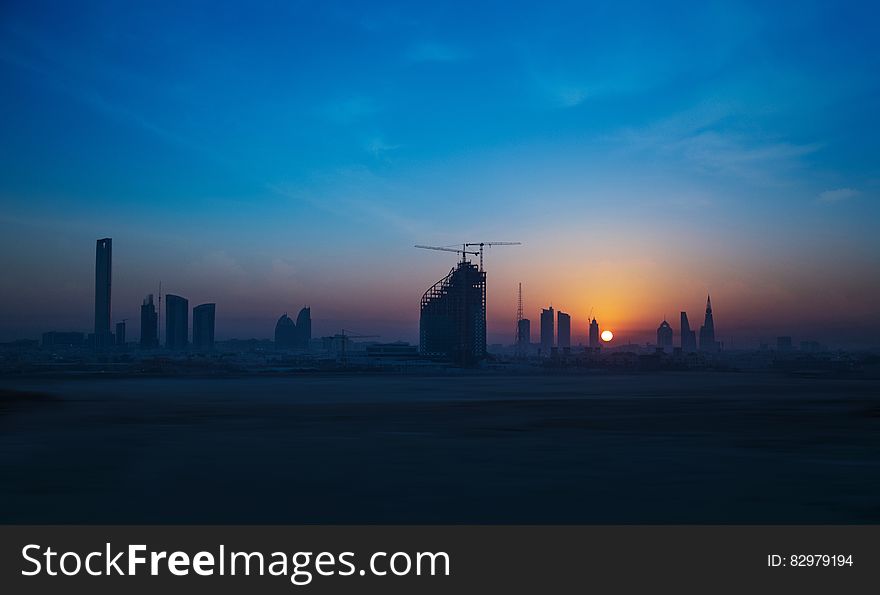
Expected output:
{"points": [[270, 155]]}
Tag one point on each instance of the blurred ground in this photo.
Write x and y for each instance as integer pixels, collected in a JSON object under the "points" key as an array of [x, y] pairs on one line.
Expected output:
{"points": [[665, 448]]}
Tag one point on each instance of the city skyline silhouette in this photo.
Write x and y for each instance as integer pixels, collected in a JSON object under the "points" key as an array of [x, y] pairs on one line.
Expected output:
{"points": [[178, 335]]}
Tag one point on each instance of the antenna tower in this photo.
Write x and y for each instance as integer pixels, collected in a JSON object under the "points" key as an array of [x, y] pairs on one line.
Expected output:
{"points": [[519, 317]]}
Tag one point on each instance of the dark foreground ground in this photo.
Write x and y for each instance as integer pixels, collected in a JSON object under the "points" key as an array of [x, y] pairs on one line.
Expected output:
{"points": [[671, 448]]}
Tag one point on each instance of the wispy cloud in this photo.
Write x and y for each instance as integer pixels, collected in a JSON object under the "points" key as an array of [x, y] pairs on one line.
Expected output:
{"points": [[356, 193], [79, 78], [564, 91], [708, 139], [378, 148], [838, 195], [349, 109], [736, 153], [570, 96], [435, 52]]}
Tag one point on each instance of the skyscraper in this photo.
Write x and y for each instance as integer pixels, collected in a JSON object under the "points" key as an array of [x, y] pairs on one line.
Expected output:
{"points": [[563, 330], [452, 316], [176, 321], [547, 333], [304, 328], [103, 270], [664, 335], [149, 324], [594, 334], [707, 331], [524, 334], [120, 334], [285, 333], [688, 337], [203, 327]]}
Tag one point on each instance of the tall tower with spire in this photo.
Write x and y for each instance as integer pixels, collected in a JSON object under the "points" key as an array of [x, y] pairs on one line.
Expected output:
{"points": [[103, 273], [594, 333], [523, 326], [707, 331]]}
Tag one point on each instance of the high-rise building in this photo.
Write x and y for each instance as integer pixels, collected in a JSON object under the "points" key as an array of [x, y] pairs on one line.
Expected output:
{"points": [[688, 336], [452, 318], [304, 328], [294, 335], [594, 334], [103, 271], [524, 334], [707, 331], [547, 331], [563, 330], [285, 333], [120, 334], [664, 335], [203, 327], [149, 324], [176, 322], [783, 343]]}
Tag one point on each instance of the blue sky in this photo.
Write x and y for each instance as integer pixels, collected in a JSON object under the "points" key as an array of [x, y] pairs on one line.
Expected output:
{"points": [[272, 154]]}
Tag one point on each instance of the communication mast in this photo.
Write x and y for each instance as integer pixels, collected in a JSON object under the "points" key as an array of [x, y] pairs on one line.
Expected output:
{"points": [[519, 318]]}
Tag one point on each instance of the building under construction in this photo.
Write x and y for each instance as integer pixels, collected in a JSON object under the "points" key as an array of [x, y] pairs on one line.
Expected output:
{"points": [[452, 324], [452, 321]]}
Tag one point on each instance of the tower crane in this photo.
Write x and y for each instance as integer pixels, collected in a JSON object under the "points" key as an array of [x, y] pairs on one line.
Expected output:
{"points": [[465, 245], [481, 244], [463, 250], [344, 336]]}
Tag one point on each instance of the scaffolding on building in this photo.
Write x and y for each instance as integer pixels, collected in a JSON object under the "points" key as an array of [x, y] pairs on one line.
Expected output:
{"points": [[452, 322]]}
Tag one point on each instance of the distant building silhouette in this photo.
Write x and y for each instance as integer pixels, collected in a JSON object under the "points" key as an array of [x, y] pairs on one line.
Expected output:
{"points": [[452, 316], [176, 321], [688, 336], [547, 331], [61, 339], [399, 349], [120, 334], [203, 327], [664, 335], [304, 327], [594, 334], [294, 335], [783, 343], [707, 331], [524, 334], [149, 324], [563, 330], [103, 272], [285, 333]]}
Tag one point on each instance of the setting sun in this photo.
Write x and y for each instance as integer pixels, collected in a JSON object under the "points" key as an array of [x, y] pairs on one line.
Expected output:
{"points": [[607, 336]]}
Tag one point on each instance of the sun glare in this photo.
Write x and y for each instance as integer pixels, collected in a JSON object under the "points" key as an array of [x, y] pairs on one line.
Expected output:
{"points": [[607, 336]]}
